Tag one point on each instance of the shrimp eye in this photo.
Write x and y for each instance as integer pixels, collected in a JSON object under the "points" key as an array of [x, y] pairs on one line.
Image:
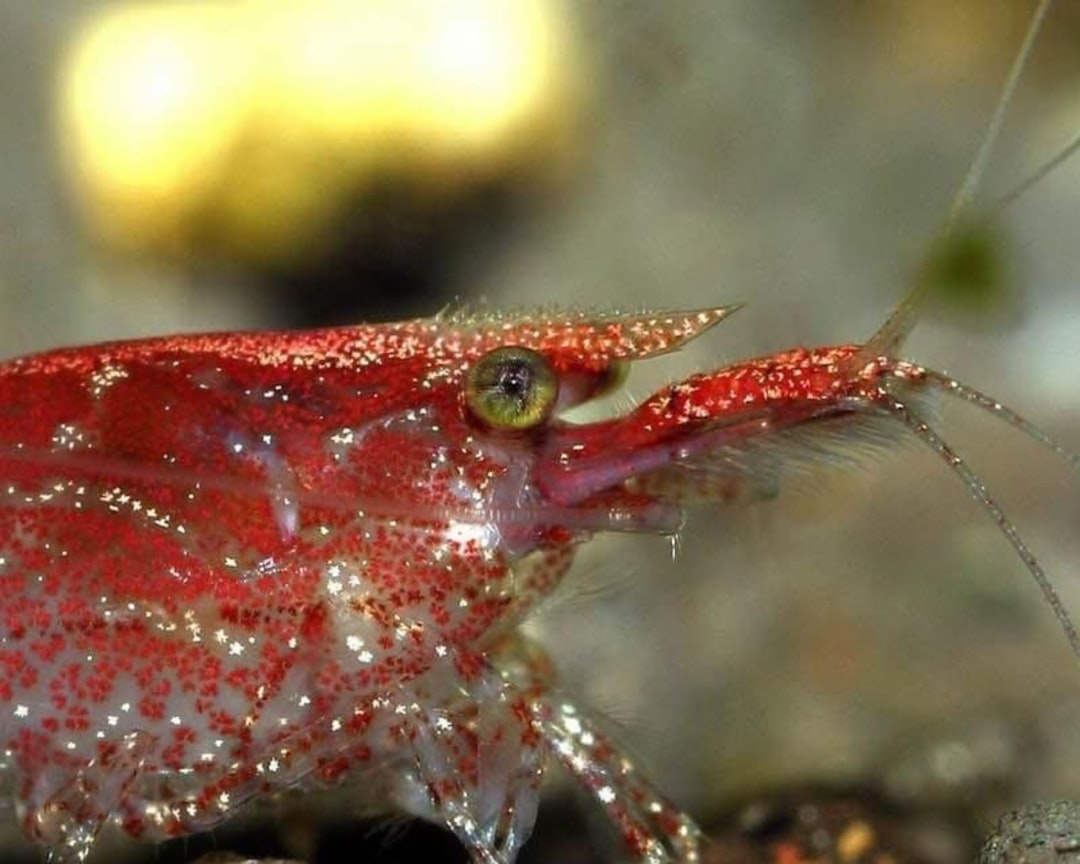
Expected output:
{"points": [[511, 388]]}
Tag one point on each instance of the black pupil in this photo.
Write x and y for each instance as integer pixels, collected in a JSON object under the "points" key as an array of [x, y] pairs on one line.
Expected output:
{"points": [[515, 379]]}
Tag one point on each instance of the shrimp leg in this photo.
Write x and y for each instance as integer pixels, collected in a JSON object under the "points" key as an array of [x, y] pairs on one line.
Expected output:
{"points": [[652, 828]]}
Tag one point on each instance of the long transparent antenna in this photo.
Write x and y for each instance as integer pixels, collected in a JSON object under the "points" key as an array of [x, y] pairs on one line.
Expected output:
{"points": [[970, 187], [902, 319], [1037, 176], [987, 403], [978, 490]]}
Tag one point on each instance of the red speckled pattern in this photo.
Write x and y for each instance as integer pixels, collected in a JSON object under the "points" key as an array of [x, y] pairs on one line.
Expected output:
{"points": [[242, 562]]}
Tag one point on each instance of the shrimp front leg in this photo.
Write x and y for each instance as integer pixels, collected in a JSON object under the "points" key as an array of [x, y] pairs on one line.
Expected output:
{"points": [[477, 733], [471, 759], [651, 827]]}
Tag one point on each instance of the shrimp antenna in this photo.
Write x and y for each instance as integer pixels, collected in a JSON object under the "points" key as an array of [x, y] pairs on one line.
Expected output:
{"points": [[969, 188], [954, 388], [903, 318], [1051, 164], [925, 433], [880, 348]]}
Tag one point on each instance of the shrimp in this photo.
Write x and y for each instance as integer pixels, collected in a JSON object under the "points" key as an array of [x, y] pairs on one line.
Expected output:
{"points": [[239, 563]]}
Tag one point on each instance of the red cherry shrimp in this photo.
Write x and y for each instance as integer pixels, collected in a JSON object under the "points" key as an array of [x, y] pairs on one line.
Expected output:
{"points": [[240, 563]]}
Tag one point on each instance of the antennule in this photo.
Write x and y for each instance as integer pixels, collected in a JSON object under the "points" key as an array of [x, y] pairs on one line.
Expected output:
{"points": [[928, 436], [1003, 412], [1038, 175], [902, 318], [970, 187]]}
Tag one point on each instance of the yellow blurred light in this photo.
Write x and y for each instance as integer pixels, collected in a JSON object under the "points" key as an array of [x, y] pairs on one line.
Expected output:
{"points": [[150, 108], [260, 118], [481, 74]]}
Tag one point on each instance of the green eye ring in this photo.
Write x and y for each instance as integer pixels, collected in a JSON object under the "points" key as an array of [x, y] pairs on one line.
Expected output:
{"points": [[511, 388]]}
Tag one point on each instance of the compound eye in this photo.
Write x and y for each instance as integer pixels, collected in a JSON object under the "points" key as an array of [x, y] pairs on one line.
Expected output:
{"points": [[511, 388]]}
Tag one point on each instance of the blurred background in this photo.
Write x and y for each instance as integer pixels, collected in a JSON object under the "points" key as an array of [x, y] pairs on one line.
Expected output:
{"points": [[868, 637]]}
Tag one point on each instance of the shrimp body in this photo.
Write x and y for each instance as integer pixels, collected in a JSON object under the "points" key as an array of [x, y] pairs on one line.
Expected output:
{"points": [[243, 562], [238, 563]]}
